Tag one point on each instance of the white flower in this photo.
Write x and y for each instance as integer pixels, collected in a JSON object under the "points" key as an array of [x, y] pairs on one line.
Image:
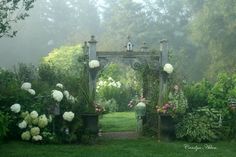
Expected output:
{"points": [[37, 138], [34, 114], [118, 84], [34, 131], [43, 121], [15, 108], [110, 79], [26, 86], [68, 116], [57, 95], [26, 136], [168, 68], [94, 64], [59, 85], [23, 124], [72, 99], [31, 91], [67, 94]]}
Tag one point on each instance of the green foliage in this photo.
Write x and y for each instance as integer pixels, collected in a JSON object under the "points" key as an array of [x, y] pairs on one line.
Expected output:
{"points": [[200, 126], [223, 89], [12, 11], [4, 122], [109, 105], [197, 93], [178, 99], [64, 60]]}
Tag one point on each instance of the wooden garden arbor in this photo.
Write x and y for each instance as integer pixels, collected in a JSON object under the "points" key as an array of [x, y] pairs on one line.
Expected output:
{"points": [[136, 59]]}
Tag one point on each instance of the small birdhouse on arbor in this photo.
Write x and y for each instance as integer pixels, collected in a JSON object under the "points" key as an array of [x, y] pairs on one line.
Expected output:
{"points": [[129, 45]]}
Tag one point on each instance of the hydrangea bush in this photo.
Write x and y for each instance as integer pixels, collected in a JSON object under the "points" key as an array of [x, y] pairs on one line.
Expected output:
{"points": [[54, 124]]}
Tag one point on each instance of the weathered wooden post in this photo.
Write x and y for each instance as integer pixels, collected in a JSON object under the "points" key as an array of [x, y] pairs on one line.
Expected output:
{"points": [[163, 80], [92, 73]]}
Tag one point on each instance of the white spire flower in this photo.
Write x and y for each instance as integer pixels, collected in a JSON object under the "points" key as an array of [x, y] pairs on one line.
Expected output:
{"points": [[68, 116], [26, 86], [168, 68], [59, 85], [34, 114], [15, 108], [23, 124], [31, 91], [57, 95], [94, 64]]}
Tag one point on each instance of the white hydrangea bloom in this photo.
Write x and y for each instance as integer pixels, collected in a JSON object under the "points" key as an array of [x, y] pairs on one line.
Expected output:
{"points": [[43, 121], [68, 116], [23, 124], [168, 68], [26, 86], [37, 138], [57, 95], [72, 99], [15, 108], [31, 91], [34, 131], [59, 85], [67, 94], [26, 136], [94, 64], [34, 114]]}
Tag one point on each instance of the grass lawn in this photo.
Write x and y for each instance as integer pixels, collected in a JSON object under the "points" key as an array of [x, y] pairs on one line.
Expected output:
{"points": [[119, 148], [118, 121]]}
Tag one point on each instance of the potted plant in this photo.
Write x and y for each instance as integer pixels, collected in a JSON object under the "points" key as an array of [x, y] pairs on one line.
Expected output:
{"points": [[87, 97]]}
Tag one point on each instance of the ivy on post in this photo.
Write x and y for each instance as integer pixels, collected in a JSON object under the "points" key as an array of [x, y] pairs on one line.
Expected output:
{"points": [[163, 79]]}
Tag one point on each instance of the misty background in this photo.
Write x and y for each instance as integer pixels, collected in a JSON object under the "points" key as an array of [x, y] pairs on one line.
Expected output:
{"points": [[201, 34]]}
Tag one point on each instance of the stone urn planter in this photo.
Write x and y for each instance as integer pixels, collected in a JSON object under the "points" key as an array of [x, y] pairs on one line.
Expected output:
{"points": [[90, 123]]}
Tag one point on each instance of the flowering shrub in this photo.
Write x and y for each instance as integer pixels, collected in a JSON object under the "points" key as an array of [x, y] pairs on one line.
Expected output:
{"points": [[37, 127], [177, 103]]}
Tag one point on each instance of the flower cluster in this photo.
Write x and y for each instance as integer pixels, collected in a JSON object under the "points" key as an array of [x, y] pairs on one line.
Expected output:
{"points": [[167, 108], [27, 87], [99, 108], [32, 124], [57, 95], [168, 68], [94, 64], [68, 116], [110, 82], [15, 108]]}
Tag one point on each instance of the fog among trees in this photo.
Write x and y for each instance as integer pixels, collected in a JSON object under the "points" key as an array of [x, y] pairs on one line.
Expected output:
{"points": [[201, 34]]}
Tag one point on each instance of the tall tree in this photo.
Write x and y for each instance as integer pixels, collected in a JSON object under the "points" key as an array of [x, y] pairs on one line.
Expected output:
{"points": [[214, 28], [12, 11]]}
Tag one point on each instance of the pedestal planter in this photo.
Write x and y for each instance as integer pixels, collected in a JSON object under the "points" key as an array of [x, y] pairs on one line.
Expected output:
{"points": [[90, 123], [167, 127]]}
